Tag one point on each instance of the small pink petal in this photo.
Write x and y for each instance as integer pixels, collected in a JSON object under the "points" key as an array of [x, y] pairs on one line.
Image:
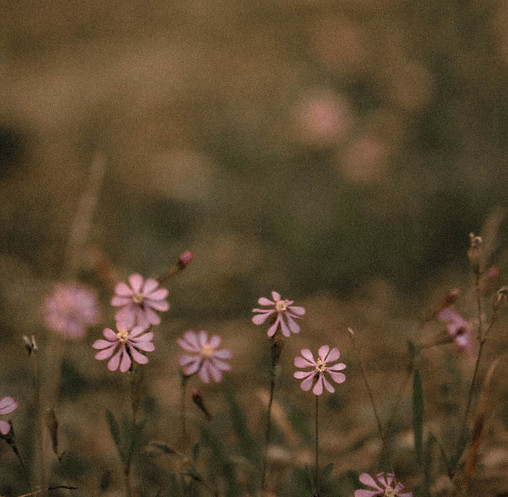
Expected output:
{"points": [[158, 305], [275, 296], [136, 282], [337, 377], [318, 387], [126, 362], [224, 354], [307, 354], [366, 479], [300, 375], [366, 493], [214, 341], [265, 301], [102, 344], [333, 355], [306, 384], [123, 290], [8, 405], [114, 362], [104, 354], [272, 330], [150, 285], [299, 311], [300, 362], [261, 318], [137, 356], [117, 301], [323, 352], [293, 325]]}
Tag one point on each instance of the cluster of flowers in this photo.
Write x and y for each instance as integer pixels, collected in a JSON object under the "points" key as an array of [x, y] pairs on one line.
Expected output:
{"points": [[72, 308], [314, 373]]}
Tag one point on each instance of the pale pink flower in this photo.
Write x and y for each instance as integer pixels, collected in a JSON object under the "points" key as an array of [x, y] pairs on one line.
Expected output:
{"points": [[7, 405], [71, 309], [387, 487], [202, 356], [458, 328], [281, 310], [138, 301], [315, 377], [128, 342]]}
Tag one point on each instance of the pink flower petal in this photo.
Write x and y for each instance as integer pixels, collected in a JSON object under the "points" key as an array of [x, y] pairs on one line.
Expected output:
{"points": [[366, 479], [204, 373], [261, 318], [114, 362], [150, 285], [158, 295], [202, 338], [306, 384], [323, 352], [117, 301], [161, 305], [193, 367], [300, 375], [333, 355], [336, 367], [271, 331], [275, 296], [224, 354], [137, 356], [337, 377], [102, 344], [264, 301], [318, 387], [293, 325], [136, 282], [299, 311], [307, 354], [300, 362], [126, 317], [327, 384], [151, 316], [284, 327], [126, 362], [214, 341], [8, 405], [367, 493], [104, 354], [123, 290]]}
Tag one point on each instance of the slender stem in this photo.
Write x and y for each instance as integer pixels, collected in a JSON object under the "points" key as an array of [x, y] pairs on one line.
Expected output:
{"points": [[316, 455], [382, 433], [183, 419], [274, 354]]}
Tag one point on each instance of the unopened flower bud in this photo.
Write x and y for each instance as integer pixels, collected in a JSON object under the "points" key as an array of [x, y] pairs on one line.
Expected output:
{"points": [[475, 252], [198, 401], [186, 258], [501, 299], [30, 344], [451, 297]]}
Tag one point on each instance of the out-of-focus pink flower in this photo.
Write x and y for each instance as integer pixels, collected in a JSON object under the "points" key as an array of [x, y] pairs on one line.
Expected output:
{"points": [[128, 343], [7, 405], [202, 356], [138, 301], [315, 377], [186, 258], [71, 309], [384, 487], [458, 328], [280, 309]]}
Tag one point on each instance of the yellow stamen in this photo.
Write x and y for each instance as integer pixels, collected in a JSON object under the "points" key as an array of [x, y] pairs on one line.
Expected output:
{"points": [[207, 351], [281, 305], [138, 298], [122, 335]]}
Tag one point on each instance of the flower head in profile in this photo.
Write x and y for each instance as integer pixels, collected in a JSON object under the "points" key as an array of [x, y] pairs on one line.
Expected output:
{"points": [[7, 405], [457, 327], [129, 343], [138, 301], [282, 311], [71, 309], [384, 487], [202, 356], [315, 377]]}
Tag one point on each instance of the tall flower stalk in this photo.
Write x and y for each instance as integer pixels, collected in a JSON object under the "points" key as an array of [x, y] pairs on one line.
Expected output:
{"points": [[314, 378], [283, 315]]}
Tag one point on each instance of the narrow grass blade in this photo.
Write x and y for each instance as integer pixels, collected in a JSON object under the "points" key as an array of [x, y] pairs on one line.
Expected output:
{"points": [[418, 411]]}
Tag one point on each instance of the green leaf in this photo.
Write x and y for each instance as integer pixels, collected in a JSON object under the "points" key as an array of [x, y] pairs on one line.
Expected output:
{"points": [[418, 410], [326, 472], [114, 430]]}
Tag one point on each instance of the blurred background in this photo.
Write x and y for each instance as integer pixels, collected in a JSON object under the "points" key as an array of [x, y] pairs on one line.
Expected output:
{"points": [[332, 150], [304, 145]]}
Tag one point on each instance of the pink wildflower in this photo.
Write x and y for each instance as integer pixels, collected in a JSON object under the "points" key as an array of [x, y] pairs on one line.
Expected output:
{"points": [[138, 301], [458, 328], [202, 357], [128, 342], [71, 309], [186, 258], [387, 487], [281, 309], [7, 405], [315, 377]]}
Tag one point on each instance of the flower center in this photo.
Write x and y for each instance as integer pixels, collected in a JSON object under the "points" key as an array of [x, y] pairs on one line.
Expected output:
{"points": [[281, 305], [122, 335], [320, 365], [138, 298], [207, 351], [390, 492]]}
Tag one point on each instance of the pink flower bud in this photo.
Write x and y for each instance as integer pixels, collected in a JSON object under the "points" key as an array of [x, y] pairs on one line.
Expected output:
{"points": [[186, 258]]}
